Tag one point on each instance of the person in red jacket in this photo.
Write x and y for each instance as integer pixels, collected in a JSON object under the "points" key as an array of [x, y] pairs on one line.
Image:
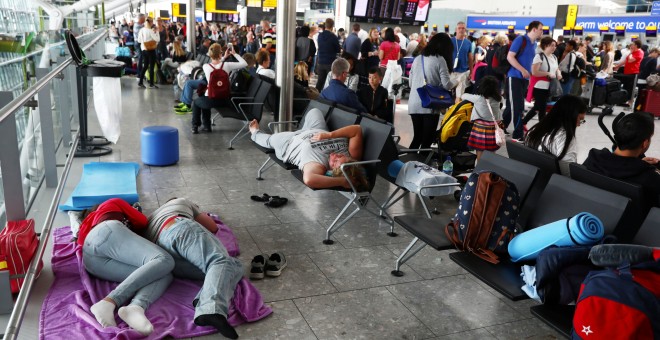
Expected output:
{"points": [[113, 251]]}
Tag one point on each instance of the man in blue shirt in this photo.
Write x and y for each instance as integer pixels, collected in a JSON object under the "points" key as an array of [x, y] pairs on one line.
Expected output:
{"points": [[521, 54], [352, 43], [327, 52], [337, 91], [462, 60]]}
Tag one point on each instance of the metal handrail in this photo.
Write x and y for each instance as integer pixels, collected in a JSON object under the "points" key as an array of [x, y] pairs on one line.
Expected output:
{"points": [[21, 58], [17, 314], [19, 101]]}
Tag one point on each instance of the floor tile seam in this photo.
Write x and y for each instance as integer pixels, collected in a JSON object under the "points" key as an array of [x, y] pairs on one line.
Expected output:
{"points": [[322, 273], [303, 316], [411, 312]]}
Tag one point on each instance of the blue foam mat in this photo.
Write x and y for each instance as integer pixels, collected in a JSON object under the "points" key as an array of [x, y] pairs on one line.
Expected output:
{"points": [[101, 181]]}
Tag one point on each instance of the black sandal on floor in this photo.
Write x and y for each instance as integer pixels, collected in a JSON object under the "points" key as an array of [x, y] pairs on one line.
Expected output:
{"points": [[264, 198], [276, 201]]}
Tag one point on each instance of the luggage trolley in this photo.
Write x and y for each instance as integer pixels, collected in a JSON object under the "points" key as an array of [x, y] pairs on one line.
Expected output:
{"points": [[604, 94]]}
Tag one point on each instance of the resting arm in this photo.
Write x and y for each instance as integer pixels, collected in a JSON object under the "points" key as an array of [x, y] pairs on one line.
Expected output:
{"points": [[354, 135], [207, 222]]}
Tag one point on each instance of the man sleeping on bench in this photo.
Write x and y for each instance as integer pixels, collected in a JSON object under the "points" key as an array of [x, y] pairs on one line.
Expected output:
{"points": [[316, 151]]}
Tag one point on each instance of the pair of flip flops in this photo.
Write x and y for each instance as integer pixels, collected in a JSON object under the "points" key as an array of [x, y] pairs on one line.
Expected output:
{"points": [[270, 201]]}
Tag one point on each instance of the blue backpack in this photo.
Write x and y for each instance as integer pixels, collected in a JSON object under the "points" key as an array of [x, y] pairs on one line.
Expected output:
{"points": [[485, 220], [619, 304], [122, 51]]}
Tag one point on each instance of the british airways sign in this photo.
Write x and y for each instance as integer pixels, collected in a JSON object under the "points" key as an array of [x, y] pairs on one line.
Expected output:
{"points": [[502, 23]]}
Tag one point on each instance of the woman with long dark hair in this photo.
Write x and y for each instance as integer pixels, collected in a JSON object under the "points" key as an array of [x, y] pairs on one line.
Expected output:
{"points": [[389, 49], [555, 133], [437, 65]]}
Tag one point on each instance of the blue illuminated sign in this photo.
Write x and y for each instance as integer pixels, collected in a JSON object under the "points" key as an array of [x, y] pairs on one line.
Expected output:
{"points": [[502, 23], [633, 23], [655, 9]]}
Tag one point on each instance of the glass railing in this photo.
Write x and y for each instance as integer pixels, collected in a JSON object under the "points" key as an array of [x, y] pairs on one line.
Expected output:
{"points": [[43, 115], [18, 72]]}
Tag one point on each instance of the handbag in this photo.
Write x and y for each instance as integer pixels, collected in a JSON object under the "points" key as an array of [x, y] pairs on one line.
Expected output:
{"points": [[150, 45], [18, 244], [434, 96], [500, 138], [555, 90]]}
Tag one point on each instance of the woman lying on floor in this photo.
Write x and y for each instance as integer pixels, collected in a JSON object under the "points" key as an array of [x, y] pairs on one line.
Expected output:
{"points": [[316, 151], [113, 251]]}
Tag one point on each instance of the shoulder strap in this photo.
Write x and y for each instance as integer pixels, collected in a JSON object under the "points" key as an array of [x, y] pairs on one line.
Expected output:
{"points": [[543, 56]]}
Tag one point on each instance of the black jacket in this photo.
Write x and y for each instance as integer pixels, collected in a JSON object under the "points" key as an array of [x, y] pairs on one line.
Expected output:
{"points": [[628, 169], [648, 67], [376, 102]]}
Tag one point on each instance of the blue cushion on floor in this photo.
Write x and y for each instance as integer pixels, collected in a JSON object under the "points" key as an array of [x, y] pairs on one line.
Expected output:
{"points": [[160, 145]]}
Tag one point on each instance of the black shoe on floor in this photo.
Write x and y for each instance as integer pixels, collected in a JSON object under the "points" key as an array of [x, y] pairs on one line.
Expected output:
{"points": [[206, 129], [140, 85], [152, 86], [195, 130]]}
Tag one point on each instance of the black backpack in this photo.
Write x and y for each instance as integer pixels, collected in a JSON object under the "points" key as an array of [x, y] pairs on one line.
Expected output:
{"points": [[500, 63], [240, 81]]}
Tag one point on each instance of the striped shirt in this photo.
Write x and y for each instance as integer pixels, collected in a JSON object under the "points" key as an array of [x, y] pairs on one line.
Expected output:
{"points": [[269, 37]]}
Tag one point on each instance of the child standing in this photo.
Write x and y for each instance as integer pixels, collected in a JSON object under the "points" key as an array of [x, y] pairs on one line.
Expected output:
{"points": [[482, 136]]}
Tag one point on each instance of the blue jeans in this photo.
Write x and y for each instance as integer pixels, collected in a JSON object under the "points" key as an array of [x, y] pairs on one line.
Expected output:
{"points": [[189, 89], [115, 253], [198, 254]]}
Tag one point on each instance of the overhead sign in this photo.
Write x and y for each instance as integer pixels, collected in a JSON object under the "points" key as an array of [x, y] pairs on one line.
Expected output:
{"points": [[571, 15], [270, 3], [633, 23], [655, 8], [178, 10], [503, 22], [220, 6]]}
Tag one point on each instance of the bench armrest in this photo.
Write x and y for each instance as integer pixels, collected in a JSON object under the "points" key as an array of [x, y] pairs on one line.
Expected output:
{"points": [[343, 167]]}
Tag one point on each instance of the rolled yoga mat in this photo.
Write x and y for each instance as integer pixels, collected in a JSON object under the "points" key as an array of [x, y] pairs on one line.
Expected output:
{"points": [[581, 229]]}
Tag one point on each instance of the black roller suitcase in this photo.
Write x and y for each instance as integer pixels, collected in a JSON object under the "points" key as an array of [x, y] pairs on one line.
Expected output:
{"points": [[599, 96], [612, 85], [617, 97]]}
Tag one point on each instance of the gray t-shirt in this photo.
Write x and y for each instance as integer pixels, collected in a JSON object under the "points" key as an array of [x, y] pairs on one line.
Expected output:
{"points": [[178, 206], [302, 151]]}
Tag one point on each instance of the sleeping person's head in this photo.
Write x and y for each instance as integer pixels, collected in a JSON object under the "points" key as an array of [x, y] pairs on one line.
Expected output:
{"points": [[356, 174]]}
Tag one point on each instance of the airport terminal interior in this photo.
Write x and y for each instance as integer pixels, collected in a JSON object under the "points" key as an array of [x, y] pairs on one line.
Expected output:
{"points": [[77, 130]]}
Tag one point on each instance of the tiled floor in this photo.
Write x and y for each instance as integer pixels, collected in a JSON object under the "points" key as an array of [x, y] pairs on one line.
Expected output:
{"points": [[339, 291]]}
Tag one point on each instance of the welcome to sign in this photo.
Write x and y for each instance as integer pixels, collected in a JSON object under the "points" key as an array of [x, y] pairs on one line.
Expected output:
{"points": [[636, 24]]}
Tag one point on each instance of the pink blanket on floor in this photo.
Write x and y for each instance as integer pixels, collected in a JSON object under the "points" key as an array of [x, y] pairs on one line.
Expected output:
{"points": [[65, 312]]}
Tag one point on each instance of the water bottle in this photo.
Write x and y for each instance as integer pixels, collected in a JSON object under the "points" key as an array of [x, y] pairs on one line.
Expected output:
{"points": [[448, 166]]}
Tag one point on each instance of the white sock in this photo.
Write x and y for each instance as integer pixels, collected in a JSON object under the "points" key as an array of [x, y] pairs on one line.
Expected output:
{"points": [[104, 311], [134, 316]]}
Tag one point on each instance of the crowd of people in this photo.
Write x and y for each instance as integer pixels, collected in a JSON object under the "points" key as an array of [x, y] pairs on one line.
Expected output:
{"points": [[177, 240], [497, 75]]}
